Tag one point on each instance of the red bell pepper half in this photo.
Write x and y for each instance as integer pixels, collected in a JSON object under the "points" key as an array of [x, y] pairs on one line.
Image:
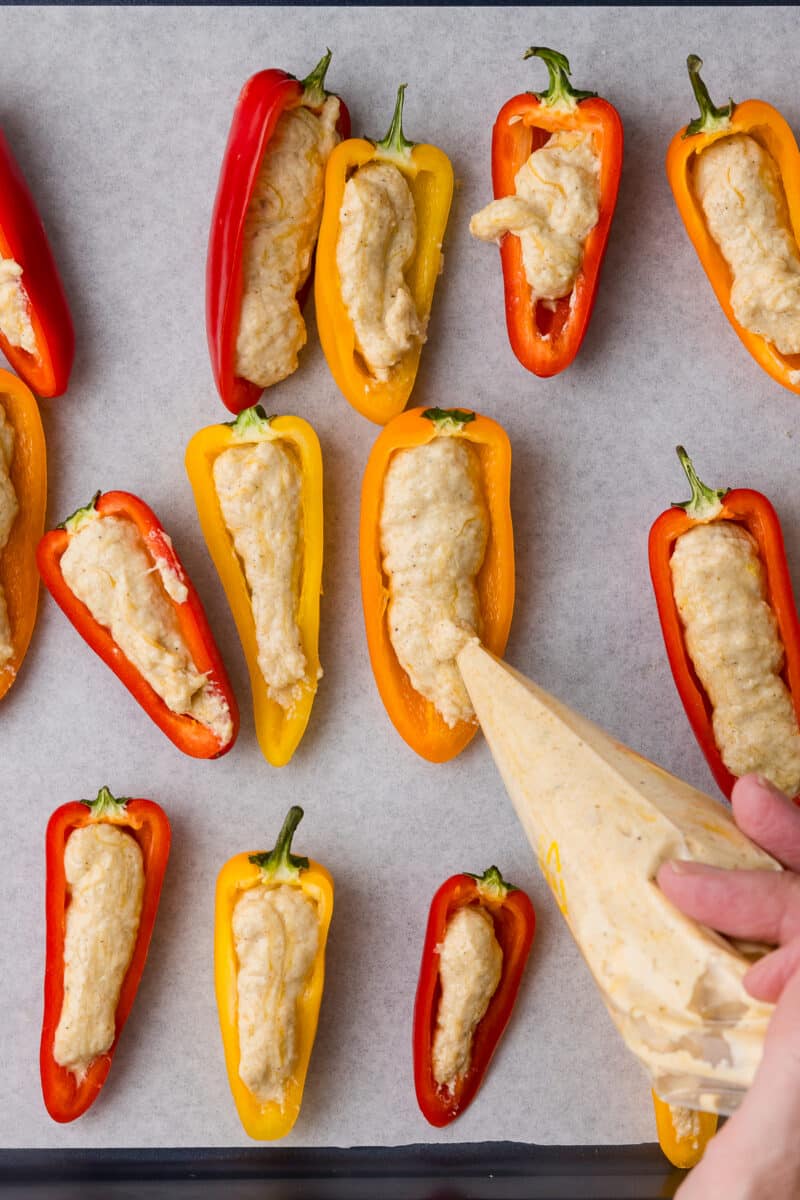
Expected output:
{"points": [[753, 512], [514, 925], [65, 1097], [23, 239], [183, 730], [546, 336], [261, 102]]}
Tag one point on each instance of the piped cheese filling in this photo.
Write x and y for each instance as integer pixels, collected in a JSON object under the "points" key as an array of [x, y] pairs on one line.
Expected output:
{"points": [[740, 191], [108, 568], [470, 966], [554, 208], [276, 935], [376, 245], [260, 492], [433, 529], [15, 319], [9, 507], [734, 644], [280, 234], [105, 877]]}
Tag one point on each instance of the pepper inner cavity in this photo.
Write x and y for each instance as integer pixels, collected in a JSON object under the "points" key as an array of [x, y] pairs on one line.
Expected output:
{"points": [[9, 508]]}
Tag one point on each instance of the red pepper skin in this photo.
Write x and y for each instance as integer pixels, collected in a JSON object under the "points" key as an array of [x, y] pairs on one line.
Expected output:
{"points": [[546, 341], [753, 511], [22, 237], [187, 734], [65, 1098], [514, 925], [261, 102]]}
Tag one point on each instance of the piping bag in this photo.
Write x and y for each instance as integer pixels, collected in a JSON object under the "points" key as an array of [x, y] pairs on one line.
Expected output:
{"points": [[601, 821]]}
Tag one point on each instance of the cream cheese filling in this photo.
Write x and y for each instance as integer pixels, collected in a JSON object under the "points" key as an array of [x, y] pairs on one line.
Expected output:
{"points": [[106, 565], [554, 208], [276, 936], [735, 647], [470, 966], [9, 507], [260, 492], [375, 247], [280, 234], [740, 191], [15, 318], [105, 878], [433, 530]]}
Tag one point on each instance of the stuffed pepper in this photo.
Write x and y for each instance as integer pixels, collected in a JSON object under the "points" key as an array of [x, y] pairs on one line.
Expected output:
{"points": [[23, 498], [273, 911], [731, 630], [378, 259], [264, 228], [735, 175], [258, 488], [479, 935], [437, 566], [113, 571], [36, 333], [556, 165], [106, 860]]}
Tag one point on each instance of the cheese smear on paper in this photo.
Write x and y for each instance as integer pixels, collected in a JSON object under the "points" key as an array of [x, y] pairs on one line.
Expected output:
{"points": [[602, 820]]}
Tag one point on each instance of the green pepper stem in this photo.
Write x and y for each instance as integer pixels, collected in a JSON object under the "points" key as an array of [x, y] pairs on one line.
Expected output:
{"points": [[106, 805], [492, 883], [279, 863], [449, 420], [249, 421], [711, 117], [396, 144], [314, 94], [81, 515], [560, 92], [706, 502]]}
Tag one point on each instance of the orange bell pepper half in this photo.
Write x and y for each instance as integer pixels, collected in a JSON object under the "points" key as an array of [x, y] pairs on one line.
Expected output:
{"points": [[546, 336], [415, 718], [769, 128], [429, 174], [19, 577], [753, 512], [684, 1147]]}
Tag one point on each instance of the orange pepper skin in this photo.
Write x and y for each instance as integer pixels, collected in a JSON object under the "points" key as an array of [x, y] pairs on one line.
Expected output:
{"points": [[768, 127], [429, 175], [415, 718], [19, 575], [682, 1151]]}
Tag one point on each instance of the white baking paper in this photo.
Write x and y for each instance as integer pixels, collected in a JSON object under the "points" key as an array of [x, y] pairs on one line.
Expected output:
{"points": [[119, 119]]}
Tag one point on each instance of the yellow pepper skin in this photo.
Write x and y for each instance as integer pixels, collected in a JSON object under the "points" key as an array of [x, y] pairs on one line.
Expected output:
{"points": [[683, 1152], [267, 1121], [279, 731], [429, 174]]}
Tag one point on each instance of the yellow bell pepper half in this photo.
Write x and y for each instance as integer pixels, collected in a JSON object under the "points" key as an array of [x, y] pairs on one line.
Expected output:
{"points": [[268, 1120], [429, 175], [278, 730], [683, 1149]]}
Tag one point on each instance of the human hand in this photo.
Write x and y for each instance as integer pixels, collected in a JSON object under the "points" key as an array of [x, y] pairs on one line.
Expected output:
{"points": [[756, 1155]]}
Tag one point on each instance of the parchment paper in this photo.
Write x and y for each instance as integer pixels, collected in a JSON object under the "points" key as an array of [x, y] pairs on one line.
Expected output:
{"points": [[119, 118]]}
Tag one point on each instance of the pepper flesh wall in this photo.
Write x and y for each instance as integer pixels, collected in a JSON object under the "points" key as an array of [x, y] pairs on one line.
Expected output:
{"points": [[602, 820]]}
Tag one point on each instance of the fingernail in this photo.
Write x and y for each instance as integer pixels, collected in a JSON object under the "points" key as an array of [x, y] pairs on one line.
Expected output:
{"points": [[767, 785], [680, 866]]}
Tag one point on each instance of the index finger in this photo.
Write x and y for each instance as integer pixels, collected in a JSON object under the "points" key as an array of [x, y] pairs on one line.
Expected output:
{"points": [[768, 818]]}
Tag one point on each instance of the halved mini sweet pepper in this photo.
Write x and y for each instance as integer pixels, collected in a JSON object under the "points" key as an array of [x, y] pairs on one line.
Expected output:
{"points": [[19, 577], [23, 240], [546, 336], [64, 1095], [279, 731], [429, 175], [683, 1133], [415, 718], [184, 731], [514, 924], [764, 123], [262, 101], [269, 1120], [753, 512]]}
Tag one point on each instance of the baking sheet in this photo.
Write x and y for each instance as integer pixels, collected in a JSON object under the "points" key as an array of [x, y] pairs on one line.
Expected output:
{"points": [[119, 118]]}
